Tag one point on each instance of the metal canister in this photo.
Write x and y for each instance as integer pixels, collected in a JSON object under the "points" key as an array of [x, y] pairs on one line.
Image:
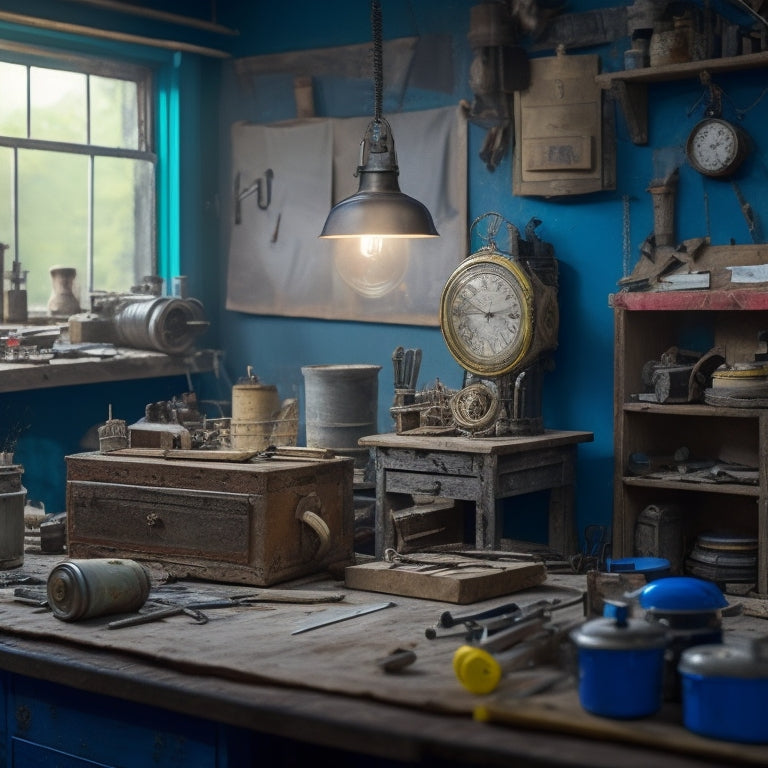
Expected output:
{"points": [[83, 589], [621, 664]]}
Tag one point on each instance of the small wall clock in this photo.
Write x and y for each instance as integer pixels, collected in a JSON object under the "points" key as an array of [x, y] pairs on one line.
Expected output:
{"points": [[716, 147]]}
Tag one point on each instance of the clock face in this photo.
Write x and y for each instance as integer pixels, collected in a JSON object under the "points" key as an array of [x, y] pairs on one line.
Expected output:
{"points": [[486, 314], [715, 147]]}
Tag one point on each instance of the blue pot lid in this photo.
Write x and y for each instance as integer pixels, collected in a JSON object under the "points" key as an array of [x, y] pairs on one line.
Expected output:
{"points": [[681, 593]]}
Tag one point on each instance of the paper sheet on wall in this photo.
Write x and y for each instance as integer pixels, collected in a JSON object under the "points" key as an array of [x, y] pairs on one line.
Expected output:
{"points": [[277, 263]]}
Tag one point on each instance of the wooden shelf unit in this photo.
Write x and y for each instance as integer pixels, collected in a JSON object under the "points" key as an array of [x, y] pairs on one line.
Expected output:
{"points": [[630, 87], [646, 325]]}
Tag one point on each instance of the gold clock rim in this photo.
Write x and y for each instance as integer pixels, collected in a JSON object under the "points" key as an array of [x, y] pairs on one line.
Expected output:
{"points": [[526, 321]]}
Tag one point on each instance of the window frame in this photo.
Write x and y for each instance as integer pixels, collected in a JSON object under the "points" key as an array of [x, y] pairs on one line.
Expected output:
{"points": [[157, 74]]}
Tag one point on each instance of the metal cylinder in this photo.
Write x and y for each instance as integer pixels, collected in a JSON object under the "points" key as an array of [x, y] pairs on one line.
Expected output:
{"points": [[341, 406], [166, 324], [83, 589], [254, 409], [13, 497]]}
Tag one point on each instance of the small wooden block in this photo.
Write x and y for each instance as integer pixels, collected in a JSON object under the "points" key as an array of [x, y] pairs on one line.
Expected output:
{"points": [[459, 580]]}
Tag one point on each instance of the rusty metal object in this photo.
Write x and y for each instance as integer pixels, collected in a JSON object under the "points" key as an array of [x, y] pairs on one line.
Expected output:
{"points": [[83, 589]]}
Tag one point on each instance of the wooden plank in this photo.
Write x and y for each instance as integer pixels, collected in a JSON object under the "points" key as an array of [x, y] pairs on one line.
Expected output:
{"points": [[129, 364], [458, 580], [667, 72], [477, 445]]}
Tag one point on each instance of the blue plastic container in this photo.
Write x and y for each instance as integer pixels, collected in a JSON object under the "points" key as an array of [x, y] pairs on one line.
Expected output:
{"points": [[690, 609], [621, 665], [651, 567], [724, 691]]}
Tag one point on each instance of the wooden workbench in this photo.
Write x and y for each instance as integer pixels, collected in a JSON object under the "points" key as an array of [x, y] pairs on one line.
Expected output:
{"points": [[222, 693]]}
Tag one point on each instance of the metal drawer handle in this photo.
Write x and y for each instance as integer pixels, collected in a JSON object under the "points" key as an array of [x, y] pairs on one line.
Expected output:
{"points": [[154, 520]]}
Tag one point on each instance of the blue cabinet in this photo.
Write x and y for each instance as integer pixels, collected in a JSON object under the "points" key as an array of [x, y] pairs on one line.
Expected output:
{"points": [[52, 726]]}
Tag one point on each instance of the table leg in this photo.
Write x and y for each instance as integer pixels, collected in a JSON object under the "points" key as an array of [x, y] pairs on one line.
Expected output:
{"points": [[563, 537], [488, 521]]}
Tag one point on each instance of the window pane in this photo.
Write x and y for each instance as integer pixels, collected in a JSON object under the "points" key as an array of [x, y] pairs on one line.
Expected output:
{"points": [[114, 113], [13, 87], [58, 105], [123, 223], [6, 203], [53, 219]]}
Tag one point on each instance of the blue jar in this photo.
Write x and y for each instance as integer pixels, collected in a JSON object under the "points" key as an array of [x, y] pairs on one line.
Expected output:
{"points": [[621, 664], [725, 688]]}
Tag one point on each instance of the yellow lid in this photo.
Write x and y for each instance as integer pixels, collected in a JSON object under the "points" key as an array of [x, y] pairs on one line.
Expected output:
{"points": [[478, 671]]}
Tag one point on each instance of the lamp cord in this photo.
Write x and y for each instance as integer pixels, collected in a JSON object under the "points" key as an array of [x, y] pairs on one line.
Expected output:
{"points": [[378, 66]]}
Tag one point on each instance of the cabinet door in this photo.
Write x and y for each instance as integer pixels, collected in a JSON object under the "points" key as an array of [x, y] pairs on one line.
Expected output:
{"points": [[50, 725]]}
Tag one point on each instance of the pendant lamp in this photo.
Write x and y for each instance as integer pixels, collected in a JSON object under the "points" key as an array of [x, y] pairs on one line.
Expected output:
{"points": [[379, 209]]}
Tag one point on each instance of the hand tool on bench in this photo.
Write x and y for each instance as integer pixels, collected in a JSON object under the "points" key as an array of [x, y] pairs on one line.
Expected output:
{"points": [[324, 622], [294, 596], [479, 668]]}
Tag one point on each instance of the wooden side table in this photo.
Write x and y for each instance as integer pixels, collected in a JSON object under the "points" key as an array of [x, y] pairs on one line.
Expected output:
{"points": [[479, 470]]}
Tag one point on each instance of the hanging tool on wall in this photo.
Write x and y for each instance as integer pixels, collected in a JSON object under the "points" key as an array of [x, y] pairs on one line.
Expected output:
{"points": [[262, 200], [499, 68]]}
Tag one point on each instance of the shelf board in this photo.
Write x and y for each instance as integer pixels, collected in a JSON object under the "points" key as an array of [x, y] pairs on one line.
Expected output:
{"points": [[630, 87], [668, 72], [738, 299], [693, 409], [730, 489], [128, 364]]}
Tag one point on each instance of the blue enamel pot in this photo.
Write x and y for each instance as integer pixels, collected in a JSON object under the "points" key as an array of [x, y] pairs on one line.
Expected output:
{"points": [[724, 690], [621, 665]]}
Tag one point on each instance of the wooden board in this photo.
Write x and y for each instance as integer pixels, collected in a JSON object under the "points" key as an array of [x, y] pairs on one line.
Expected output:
{"points": [[562, 713], [446, 578]]}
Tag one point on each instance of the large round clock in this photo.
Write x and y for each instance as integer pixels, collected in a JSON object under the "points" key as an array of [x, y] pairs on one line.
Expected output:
{"points": [[487, 314], [716, 147]]}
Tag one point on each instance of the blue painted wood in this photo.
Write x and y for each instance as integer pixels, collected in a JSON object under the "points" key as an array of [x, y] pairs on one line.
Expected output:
{"points": [[104, 731]]}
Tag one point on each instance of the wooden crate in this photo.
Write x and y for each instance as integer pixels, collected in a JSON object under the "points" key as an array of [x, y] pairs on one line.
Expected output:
{"points": [[256, 523]]}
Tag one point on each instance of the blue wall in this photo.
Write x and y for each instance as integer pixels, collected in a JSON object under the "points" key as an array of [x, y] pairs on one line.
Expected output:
{"points": [[587, 231]]}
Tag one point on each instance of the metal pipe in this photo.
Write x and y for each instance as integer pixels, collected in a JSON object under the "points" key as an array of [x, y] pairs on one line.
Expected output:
{"points": [[150, 13], [105, 34]]}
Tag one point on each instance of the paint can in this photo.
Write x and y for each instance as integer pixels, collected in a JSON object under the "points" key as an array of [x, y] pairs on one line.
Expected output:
{"points": [[255, 407], [13, 497], [341, 406], [84, 589]]}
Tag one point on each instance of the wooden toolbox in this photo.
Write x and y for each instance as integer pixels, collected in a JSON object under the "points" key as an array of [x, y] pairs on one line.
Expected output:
{"points": [[256, 522]]}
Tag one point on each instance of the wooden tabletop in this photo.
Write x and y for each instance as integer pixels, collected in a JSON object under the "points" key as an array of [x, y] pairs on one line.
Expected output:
{"points": [[550, 438], [245, 668]]}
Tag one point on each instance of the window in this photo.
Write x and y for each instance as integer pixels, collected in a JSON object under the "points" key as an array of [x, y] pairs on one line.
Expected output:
{"points": [[77, 172]]}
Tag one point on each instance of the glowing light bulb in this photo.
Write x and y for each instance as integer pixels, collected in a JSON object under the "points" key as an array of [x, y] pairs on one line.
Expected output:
{"points": [[371, 246]]}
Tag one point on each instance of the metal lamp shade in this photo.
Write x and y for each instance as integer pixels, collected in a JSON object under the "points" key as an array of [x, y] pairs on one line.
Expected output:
{"points": [[379, 208], [379, 213]]}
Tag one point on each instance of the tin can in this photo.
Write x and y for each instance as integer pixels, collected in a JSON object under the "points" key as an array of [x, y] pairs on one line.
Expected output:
{"points": [[83, 589]]}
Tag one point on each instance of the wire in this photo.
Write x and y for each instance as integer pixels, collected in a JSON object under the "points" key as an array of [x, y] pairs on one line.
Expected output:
{"points": [[378, 65]]}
